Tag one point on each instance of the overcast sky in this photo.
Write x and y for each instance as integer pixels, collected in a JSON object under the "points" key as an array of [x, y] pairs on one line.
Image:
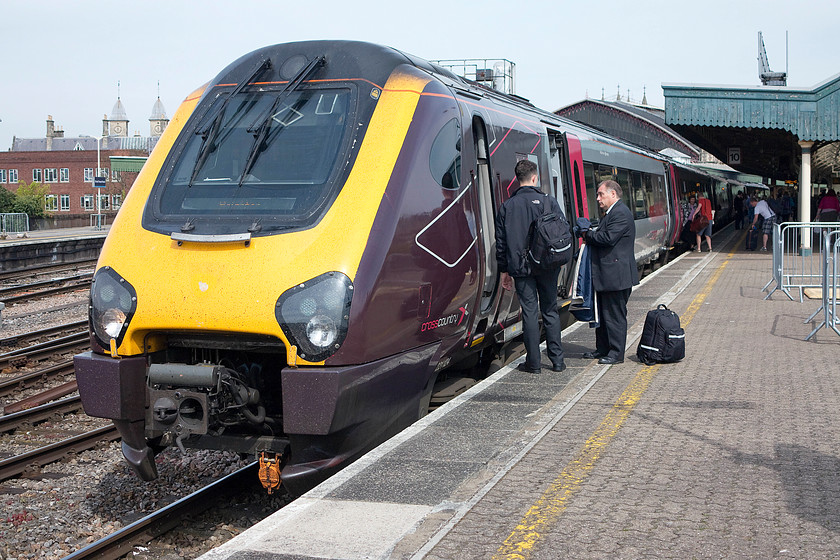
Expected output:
{"points": [[64, 58]]}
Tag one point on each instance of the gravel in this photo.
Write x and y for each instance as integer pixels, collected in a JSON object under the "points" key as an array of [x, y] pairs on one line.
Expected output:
{"points": [[59, 508]]}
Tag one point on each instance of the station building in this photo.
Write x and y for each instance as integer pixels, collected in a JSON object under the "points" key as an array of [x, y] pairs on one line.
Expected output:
{"points": [[68, 166]]}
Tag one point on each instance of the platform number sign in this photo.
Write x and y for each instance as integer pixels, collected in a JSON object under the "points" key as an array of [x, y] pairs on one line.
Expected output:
{"points": [[734, 156]]}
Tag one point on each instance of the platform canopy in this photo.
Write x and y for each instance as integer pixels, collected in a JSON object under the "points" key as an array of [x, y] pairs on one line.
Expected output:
{"points": [[758, 129]]}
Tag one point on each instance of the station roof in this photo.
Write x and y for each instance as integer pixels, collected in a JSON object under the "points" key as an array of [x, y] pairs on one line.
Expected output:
{"points": [[642, 125], [763, 123]]}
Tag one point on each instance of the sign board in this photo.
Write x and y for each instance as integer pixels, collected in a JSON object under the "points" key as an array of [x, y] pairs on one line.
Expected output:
{"points": [[99, 182], [734, 156]]}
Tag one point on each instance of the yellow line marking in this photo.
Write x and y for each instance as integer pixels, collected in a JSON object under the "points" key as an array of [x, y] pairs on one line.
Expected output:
{"points": [[548, 508]]}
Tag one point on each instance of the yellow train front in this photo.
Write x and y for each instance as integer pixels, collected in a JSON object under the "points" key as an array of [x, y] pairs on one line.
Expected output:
{"points": [[281, 280]]}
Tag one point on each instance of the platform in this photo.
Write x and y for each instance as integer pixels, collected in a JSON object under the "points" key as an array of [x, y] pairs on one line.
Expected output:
{"points": [[732, 452]]}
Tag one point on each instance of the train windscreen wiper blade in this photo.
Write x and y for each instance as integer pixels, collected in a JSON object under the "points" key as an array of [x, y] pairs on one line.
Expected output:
{"points": [[208, 135], [261, 132]]}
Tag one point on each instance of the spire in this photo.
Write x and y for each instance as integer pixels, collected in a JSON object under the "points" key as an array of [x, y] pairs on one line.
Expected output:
{"points": [[644, 95], [618, 92]]}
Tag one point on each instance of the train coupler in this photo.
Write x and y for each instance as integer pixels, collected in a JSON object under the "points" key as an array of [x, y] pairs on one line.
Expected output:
{"points": [[270, 466]]}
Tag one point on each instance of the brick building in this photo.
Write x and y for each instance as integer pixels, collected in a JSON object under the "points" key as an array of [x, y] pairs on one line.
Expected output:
{"points": [[68, 166]]}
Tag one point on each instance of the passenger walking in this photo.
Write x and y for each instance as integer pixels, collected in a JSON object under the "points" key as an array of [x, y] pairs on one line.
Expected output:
{"points": [[687, 236], [704, 208], [828, 208], [537, 289], [614, 272], [761, 208]]}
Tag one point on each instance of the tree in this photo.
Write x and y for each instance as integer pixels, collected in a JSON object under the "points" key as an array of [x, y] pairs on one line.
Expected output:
{"points": [[29, 199], [7, 200]]}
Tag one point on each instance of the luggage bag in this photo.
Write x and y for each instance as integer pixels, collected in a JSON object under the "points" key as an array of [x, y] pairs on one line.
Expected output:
{"points": [[663, 339]]}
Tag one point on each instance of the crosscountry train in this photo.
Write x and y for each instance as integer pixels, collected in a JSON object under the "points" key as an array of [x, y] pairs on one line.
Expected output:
{"points": [[308, 254]]}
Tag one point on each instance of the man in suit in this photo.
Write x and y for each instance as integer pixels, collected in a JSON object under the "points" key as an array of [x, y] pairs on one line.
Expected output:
{"points": [[614, 272]]}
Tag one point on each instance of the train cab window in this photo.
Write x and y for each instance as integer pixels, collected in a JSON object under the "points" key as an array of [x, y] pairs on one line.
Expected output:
{"points": [[445, 156], [273, 159]]}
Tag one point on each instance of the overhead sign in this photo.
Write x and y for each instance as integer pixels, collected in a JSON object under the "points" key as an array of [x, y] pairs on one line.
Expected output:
{"points": [[99, 182], [734, 156]]}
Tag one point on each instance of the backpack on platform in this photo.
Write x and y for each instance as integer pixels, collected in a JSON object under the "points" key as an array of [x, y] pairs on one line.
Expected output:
{"points": [[550, 243], [663, 339]]}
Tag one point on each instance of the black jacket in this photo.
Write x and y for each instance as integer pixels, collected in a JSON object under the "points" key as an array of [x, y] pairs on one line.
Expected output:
{"points": [[513, 225], [613, 259]]}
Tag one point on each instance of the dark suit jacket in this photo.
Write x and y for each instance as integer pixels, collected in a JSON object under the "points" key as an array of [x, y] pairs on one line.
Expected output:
{"points": [[612, 244]]}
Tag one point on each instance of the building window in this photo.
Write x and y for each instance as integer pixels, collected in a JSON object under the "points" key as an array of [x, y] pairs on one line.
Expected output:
{"points": [[116, 201], [65, 202], [37, 175], [87, 201], [50, 175], [116, 176], [13, 176], [104, 202], [88, 174], [51, 202], [65, 175], [2, 175]]}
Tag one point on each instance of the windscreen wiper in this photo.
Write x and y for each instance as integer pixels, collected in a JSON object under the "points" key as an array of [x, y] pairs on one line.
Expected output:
{"points": [[261, 132], [209, 133]]}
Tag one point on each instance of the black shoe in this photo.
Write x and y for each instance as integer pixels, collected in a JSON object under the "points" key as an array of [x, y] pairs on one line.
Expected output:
{"points": [[559, 367], [527, 369], [593, 355], [608, 360]]}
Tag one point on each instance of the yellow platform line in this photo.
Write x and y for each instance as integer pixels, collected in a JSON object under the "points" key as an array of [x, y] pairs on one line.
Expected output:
{"points": [[548, 508]]}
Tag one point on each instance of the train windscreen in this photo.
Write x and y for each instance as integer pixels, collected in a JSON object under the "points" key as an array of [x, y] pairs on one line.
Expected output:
{"points": [[261, 155]]}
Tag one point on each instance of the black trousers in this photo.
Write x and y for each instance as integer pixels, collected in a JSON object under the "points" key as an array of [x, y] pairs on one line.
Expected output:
{"points": [[611, 334], [538, 295]]}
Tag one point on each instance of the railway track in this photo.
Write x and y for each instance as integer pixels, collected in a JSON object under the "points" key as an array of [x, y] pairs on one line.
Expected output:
{"points": [[27, 380], [17, 465], [70, 343], [26, 338], [46, 270], [152, 526], [45, 288]]}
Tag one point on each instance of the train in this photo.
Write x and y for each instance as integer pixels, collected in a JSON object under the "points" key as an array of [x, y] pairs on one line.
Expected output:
{"points": [[306, 262]]}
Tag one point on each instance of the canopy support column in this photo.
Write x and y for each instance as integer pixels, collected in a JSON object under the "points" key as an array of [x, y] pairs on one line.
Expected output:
{"points": [[805, 196]]}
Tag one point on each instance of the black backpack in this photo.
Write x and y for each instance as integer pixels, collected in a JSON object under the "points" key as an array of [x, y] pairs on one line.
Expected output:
{"points": [[551, 242], [663, 339]]}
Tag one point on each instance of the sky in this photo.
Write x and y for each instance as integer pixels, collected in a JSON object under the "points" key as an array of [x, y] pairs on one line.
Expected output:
{"points": [[65, 58]]}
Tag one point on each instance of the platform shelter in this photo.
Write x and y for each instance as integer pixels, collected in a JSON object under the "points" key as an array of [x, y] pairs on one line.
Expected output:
{"points": [[780, 132]]}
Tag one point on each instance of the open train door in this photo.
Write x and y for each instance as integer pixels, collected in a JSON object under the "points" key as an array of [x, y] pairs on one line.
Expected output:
{"points": [[576, 204]]}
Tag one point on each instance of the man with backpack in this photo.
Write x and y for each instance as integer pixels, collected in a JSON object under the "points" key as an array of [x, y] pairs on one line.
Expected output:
{"points": [[524, 227]]}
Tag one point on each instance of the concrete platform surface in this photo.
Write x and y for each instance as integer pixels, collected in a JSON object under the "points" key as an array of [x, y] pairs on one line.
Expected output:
{"points": [[731, 453]]}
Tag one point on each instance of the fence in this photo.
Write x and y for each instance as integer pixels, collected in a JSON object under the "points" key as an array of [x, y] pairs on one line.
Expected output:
{"points": [[14, 223], [830, 283], [792, 269]]}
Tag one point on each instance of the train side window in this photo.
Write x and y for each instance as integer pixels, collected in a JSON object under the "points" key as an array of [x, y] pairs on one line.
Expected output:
{"points": [[657, 196], [445, 156], [592, 183], [622, 177], [640, 196]]}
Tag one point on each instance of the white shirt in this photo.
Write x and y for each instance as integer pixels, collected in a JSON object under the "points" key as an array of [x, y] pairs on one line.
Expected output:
{"points": [[764, 209]]}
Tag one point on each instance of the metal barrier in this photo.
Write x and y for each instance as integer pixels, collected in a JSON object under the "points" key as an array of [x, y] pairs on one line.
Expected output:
{"points": [[830, 283], [14, 223], [795, 269]]}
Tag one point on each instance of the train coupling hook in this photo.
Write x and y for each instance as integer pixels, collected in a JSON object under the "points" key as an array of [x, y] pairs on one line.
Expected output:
{"points": [[269, 474]]}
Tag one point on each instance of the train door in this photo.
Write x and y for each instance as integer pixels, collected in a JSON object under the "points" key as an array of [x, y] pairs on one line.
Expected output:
{"points": [[576, 193], [555, 163], [487, 217]]}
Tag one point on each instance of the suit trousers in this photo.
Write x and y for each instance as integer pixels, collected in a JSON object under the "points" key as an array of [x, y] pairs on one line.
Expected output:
{"points": [[611, 334], [538, 295]]}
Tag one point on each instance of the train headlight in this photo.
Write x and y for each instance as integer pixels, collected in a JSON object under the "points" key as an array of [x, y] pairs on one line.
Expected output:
{"points": [[112, 304], [315, 315]]}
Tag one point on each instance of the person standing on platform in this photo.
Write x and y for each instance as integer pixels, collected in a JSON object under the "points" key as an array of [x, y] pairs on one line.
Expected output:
{"points": [[738, 207], [537, 289], [614, 272], [829, 207], [761, 208], [704, 207]]}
